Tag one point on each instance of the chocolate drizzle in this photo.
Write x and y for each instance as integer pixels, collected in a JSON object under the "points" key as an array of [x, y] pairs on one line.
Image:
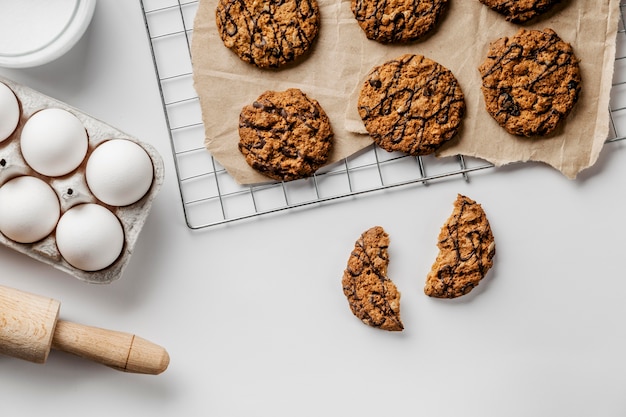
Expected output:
{"points": [[466, 251], [411, 104], [372, 297], [530, 82], [394, 21], [268, 33]]}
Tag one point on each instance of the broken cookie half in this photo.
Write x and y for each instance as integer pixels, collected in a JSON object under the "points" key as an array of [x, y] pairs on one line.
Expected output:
{"points": [[372, 297], [466, 250]]}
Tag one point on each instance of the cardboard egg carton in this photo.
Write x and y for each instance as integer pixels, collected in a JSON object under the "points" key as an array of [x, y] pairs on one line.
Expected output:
{"points": [[72, 189]]}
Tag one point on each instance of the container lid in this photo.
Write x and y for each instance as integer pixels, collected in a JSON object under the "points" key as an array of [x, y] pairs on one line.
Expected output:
{"points": [[35, 32]]}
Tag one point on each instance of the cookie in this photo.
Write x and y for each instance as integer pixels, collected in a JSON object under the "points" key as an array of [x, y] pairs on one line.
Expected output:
{"points": [[530, 82], [396, 21], [520, 11], [285, 135], [466, 250], [411, 104], [268, 34], [373, 298]]}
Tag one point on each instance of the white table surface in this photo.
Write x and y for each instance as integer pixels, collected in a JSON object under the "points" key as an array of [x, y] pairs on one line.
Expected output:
{"points": [[253, 316]]}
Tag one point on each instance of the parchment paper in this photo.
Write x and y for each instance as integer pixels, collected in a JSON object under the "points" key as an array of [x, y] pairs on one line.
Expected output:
{"points": [[341, 57]]}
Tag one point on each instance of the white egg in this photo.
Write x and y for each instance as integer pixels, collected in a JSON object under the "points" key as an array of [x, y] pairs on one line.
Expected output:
{"points": [[53, 142], [29, 209], [119, 172], [89, 237], [9, 112]]}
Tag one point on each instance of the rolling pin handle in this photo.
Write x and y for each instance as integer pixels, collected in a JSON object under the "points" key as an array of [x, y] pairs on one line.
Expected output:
{"points": [[119, 350]]}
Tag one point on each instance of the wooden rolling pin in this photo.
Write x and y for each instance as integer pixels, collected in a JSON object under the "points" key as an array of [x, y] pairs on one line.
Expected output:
{"points": [[29, 328]]}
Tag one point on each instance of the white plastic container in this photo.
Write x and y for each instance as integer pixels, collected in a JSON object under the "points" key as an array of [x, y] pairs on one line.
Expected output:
{"points": [[35, 32]]}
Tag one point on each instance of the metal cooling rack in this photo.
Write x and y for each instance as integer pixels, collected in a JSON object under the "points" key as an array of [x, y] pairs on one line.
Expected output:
{"points": [[209, 194]]}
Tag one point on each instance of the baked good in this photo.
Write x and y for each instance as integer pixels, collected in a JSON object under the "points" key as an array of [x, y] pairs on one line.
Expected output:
{"points": [[373, 298], [466, 250], [530, 81], [411, 104], [285, 135], [520, 11], [268, 33], [397, 20]]}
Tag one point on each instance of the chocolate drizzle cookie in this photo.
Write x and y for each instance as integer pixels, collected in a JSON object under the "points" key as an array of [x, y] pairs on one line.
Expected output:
{"points": [[466, 251], [395, 21], [530, 82], [285, 135], [411, 104], [520, 11], [373, 298], [268, 33]]}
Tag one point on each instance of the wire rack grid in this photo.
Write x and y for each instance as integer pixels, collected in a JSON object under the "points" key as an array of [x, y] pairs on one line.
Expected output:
{"points": [[209, 194]]}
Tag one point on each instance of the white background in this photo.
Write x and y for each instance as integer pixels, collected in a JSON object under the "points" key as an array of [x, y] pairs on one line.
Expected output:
{"points": [[253, 316]]}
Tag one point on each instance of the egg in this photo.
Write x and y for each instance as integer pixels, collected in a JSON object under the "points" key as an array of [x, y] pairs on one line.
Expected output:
{"points": [[89, 237], [53, 142], [9, 112], [29, 209], [119, 172]]}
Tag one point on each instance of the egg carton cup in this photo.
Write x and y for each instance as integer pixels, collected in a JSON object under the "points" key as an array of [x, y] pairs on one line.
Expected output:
{"points": [[72, 189]]}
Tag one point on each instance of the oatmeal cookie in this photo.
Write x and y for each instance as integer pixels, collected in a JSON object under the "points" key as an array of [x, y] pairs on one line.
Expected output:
{"points": [[268, 34], [285, 135], [373, 298], [466, 250], [396, 21], [520, 11], [530, 82], [411, 104]]}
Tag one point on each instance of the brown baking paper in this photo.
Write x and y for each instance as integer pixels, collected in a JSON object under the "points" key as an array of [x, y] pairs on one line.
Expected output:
{"points": [[225, 84], [341, 57]]}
